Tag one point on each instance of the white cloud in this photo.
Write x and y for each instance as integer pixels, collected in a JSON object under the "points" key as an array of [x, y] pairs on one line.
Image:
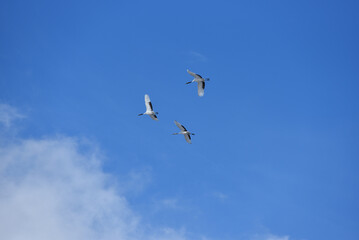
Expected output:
{"points": [[269, 237], [8, 114], [54, 189], [272, 237], [198, 56], [136, 181], [220, 196], [169, 203]]}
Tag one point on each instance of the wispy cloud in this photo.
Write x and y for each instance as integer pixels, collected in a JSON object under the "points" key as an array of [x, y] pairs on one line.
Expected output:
{"points": [[198, 56], [169, 203], [269, 237], [8, 115], [136, 181], [219, 195]]}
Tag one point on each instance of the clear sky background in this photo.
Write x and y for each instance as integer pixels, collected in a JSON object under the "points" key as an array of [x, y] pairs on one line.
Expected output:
{"points": [[276, 150]]}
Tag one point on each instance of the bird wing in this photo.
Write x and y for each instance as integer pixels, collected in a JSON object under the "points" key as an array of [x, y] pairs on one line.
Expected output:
{"points": [[180, 126], [188, 138], [148, 103], [154, 117], [194, 74], [201, 86]]}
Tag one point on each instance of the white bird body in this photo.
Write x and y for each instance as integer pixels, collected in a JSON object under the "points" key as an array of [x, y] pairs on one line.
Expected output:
{"points": [[149, 109], [197, 80], [184, 132], [200, 80]]}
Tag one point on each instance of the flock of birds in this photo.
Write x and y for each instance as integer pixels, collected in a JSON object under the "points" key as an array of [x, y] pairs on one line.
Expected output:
{"points": [[149, 107]]}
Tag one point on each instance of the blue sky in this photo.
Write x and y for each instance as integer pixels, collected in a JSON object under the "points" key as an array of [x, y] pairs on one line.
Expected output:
{"points": [[275, 155]]}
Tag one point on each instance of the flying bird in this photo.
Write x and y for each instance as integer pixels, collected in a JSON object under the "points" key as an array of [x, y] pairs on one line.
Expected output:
{"points": [[149, 109], [186, 134], [200, 80]]}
